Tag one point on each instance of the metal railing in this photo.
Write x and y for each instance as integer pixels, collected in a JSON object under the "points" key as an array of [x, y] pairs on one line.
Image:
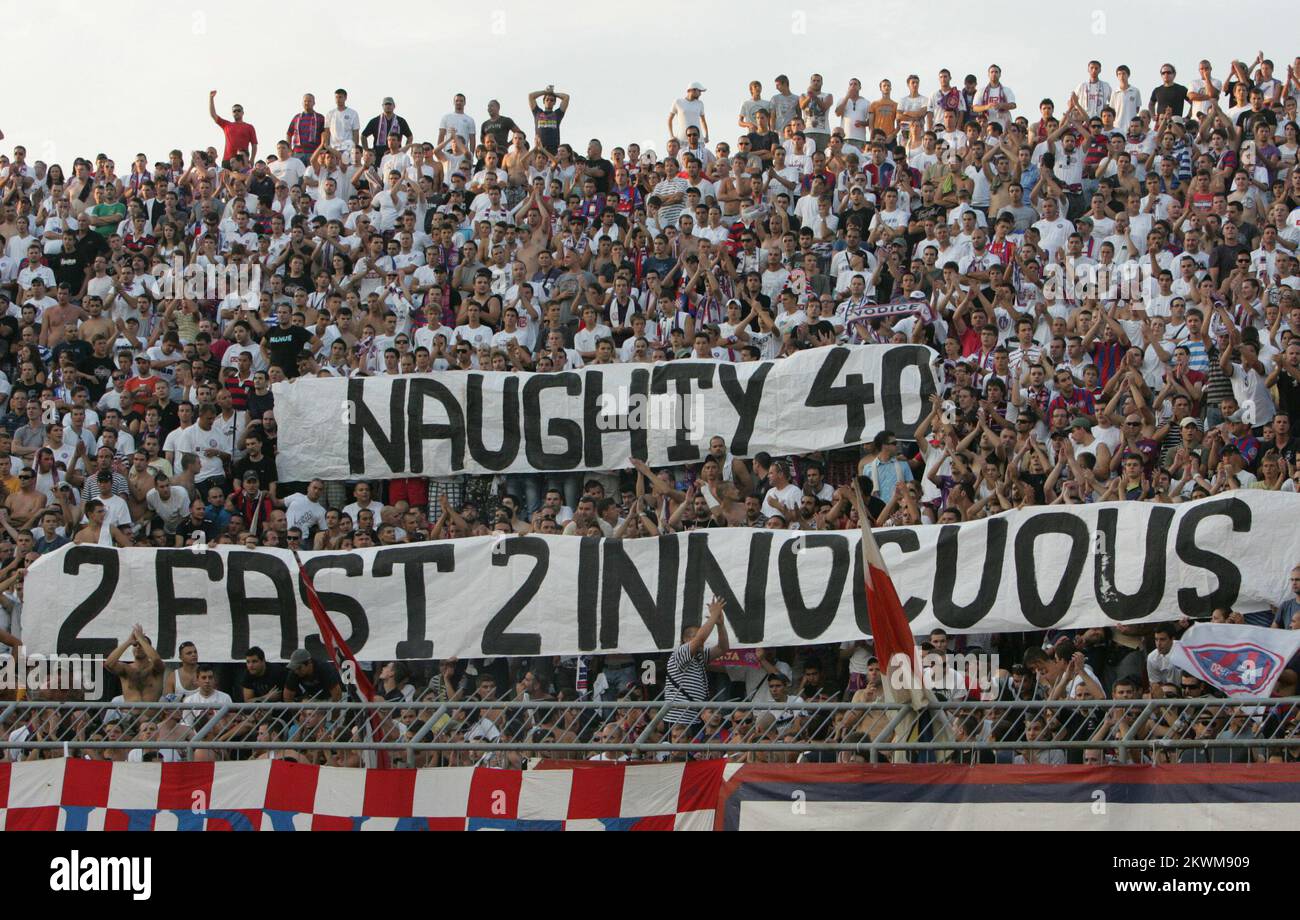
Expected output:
{"points": [[509, 732]]}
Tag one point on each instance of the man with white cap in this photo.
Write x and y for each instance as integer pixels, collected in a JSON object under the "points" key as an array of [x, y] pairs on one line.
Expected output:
{"points": [[688, 113]]}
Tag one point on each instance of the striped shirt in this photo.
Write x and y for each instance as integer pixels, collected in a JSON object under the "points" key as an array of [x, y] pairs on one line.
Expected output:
{"points": [[669, 213], [687, 680], [305, 130]]}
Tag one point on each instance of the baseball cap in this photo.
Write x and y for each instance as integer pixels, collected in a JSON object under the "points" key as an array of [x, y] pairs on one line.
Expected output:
{"points": [[1188, 421], [697, 85], [388, 100], [299, 658], [1235, 417], [1081, 423]]}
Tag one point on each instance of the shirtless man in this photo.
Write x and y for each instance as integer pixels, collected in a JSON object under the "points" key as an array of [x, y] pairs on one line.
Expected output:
{"points": [[142, 678], [23, 506], [725, 183], [93, 532], [94, 324], [538, 239], [59, 320]]}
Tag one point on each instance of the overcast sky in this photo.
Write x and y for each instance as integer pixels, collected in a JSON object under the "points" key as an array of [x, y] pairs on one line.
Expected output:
{"points": [[623, 71]]}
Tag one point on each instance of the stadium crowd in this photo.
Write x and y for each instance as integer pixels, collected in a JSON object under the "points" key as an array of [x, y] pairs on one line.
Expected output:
{"points": [[1109, 278]]}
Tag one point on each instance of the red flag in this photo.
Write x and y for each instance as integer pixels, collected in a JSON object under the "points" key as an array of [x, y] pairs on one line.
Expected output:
{"points": [[344, 660], [889, 626]]}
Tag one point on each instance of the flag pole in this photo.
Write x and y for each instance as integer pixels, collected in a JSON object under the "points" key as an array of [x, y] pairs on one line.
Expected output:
{"points": [[344, 660]]}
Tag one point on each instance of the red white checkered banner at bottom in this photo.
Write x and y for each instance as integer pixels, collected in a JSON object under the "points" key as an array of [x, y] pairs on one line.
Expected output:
{"points": [[274, 795], [61, 794]]}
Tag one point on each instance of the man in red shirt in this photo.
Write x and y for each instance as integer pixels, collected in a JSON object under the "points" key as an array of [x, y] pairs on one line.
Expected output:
{"points": [[139, 389], [241, 137]]}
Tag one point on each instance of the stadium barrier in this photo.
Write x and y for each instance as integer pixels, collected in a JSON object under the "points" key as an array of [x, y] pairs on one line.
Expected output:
{"points": [[510, 732]]}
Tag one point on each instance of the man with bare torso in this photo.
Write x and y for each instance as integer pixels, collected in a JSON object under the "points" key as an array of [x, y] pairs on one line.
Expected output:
{"points": [[95, 323], [142, 678], [24, 505]]}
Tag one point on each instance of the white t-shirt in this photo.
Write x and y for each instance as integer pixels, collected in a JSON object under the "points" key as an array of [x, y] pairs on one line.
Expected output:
{"points": [[341, 124], [476, 337], [789, 497], [855, 110], [1053, 234], [303, 513], [331, 208], [195, 440], [197, 699], [289, 170], [173, 509], [424, 336], [994, 94], [462, 124], [687, 114]]}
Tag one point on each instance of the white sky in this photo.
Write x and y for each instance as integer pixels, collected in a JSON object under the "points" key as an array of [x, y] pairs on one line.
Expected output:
{"points": [[621, 70]]}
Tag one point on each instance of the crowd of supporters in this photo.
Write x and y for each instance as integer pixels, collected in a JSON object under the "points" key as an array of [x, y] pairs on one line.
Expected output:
{"points": [[1109, 279]]}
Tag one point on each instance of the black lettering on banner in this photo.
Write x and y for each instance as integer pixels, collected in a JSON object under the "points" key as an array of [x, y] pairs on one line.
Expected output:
{"points": [[1032, 607], [1229, 576], [352, 565], [557, 427], [1114, 603], [855, 395], [415, 558], [588, 591], [496, 641], [419, 431], [745, 400], [166, 562], [810, 622], [242, 607], [946, 568], [70, 641], [613, 427], [391, 444], [505, 455], [619, 576], [906, 540], [681, 373], [705, 577], [896, 360]]}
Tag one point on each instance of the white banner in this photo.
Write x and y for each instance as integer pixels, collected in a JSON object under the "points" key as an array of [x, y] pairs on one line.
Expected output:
{"points": [[1068, 567], [596, 418]]}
